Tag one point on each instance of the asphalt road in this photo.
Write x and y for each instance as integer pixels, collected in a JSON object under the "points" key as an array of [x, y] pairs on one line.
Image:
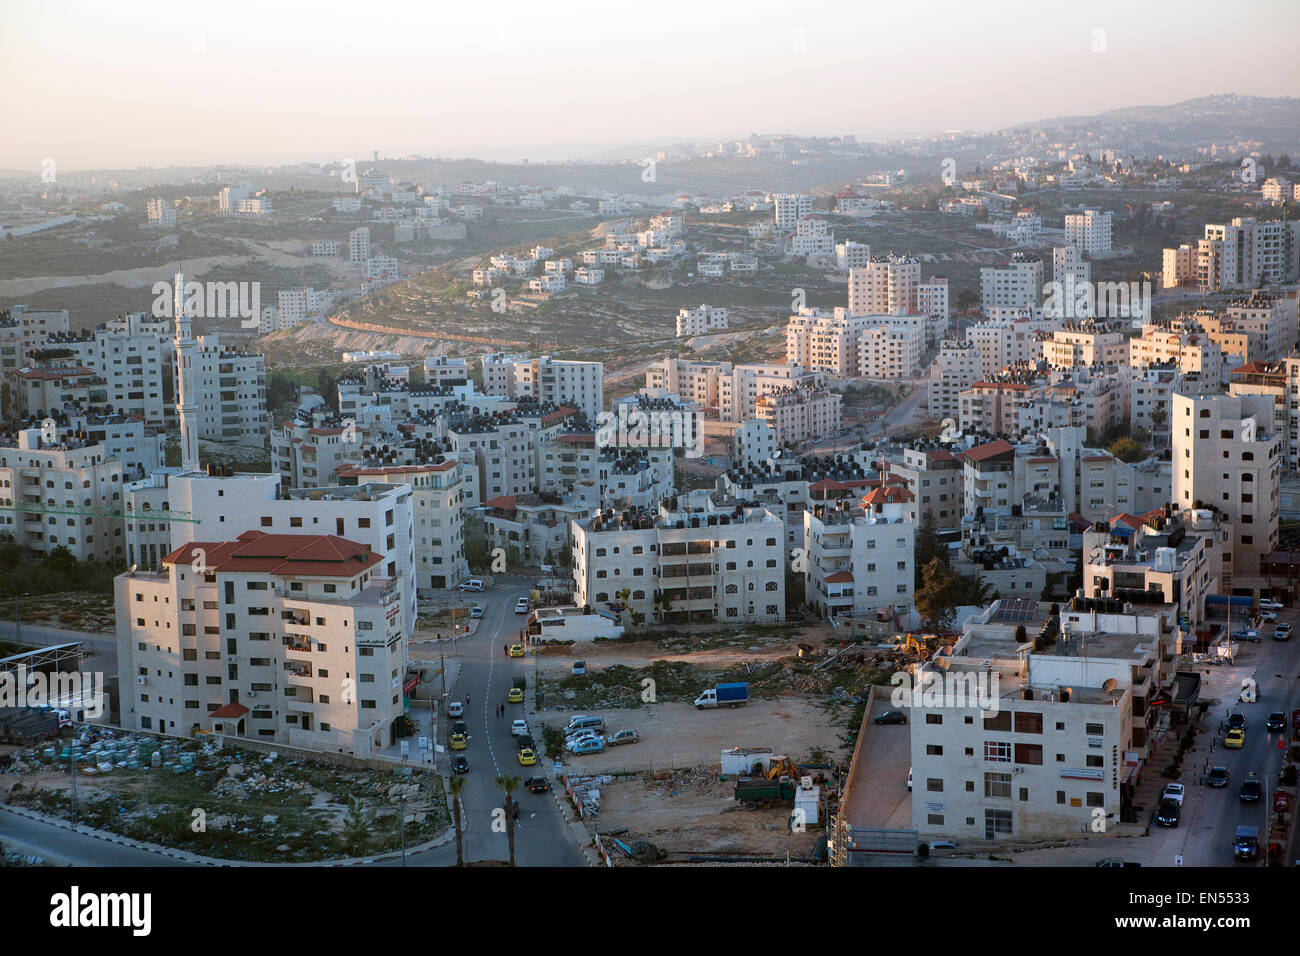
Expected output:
{"points": [[1210, 817], [486, 675]]}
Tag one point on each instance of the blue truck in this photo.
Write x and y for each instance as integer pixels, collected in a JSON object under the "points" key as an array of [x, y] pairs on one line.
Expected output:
{"points": [[724, 695]]}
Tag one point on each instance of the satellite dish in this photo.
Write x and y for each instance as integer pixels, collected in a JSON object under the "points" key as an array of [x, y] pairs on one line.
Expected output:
{"points": [[1109, 685]]}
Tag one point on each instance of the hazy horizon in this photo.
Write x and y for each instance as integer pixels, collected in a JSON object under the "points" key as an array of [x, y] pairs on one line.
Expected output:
{"points": [[144, 84]]}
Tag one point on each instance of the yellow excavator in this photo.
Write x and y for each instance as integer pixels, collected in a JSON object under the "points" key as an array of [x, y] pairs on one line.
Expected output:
{"points": [[782, 766]]}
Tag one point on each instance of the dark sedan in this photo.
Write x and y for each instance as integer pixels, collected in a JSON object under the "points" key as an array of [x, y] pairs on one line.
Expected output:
{"points": [[460, 764], [892, 717], [537, 784], [1217, 777], [1250, 791]]}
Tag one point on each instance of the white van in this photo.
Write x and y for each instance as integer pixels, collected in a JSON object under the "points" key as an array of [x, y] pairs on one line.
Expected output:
{"points": [[455, 709], [582, 722], [473, 584]]}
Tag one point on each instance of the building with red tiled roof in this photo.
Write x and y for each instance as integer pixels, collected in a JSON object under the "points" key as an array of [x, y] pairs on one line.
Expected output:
{"points": [[307, 631]]}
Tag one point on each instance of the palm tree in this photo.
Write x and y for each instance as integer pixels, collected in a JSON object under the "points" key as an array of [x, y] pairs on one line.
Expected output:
{"points": [[508, 784], [456, 785]]}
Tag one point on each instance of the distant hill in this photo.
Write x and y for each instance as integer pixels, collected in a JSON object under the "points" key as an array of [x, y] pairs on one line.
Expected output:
{"points": [[1223, 118]]}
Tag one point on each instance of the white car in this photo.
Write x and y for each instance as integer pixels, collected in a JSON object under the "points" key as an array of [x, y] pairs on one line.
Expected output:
{"points": [[519, 728], [521, 606], [455, 709], [573, 743], [1270, 605], [1268, 615]]}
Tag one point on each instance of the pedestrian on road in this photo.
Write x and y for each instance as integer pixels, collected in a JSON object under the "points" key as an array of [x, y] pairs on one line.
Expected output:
{"points": [[467, 700]]}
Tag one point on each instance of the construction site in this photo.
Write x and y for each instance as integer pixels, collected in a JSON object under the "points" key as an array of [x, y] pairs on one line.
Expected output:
{"points": [[740, 784]]}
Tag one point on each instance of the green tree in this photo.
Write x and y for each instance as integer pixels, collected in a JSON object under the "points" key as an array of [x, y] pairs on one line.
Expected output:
{"points": [[456, 785], [356, 825], [928, 545], [935, 599], [1126, 449], [508, 784]]}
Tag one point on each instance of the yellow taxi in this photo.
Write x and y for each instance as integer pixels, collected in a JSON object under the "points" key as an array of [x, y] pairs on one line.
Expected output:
{"points": [[1235, 739], [516, 650], [458, 741], [516, 696], [527, 757]]}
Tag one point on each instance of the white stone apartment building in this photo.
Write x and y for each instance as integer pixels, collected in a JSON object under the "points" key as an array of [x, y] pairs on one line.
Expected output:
{"points": [[956, 368], [1224, 455], [1089, 231], [892, 351], [1085, 343], [359, 246], [800, 413], [851, 255], [738, 393], [440, 493], [561, 381], [1181, 345], [160, 212], [695, 381], [294, 639], [1171, 558], [700, 320], [789, 209], [308, 450], [1018, 284], [678, 566], [229, 387], [64, 492], [860, 559], [1010, 340], [886, 285]]}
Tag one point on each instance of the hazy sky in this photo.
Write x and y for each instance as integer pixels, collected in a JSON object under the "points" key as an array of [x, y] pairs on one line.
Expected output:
{"points": [[103, 84]]}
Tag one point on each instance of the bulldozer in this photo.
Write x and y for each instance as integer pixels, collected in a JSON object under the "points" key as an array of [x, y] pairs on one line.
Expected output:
{"points": [[782, 766]]}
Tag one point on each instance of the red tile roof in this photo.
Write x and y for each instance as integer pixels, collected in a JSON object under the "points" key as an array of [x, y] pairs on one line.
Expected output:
{"points": [[993, 449], [888, 495], [311, 555], [232, 710], [501, 501], [839, 577]]}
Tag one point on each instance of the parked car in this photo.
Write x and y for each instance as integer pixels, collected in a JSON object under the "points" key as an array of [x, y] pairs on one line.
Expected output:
{"points": [[892, 717], [572, 743], [622, 737], [515, 696], [1236, 721], [1234, 739], [1269, 616], [579, 668], [476, 611], [1114, 861], [584, 722], [516, 650], [1276, 721], [527, 757], [474, 584], [593, 745], [1173, 791], [1267, 605], [461, 764], [941, 845], [1169, 813], [460, 727], [1282, 632], [537, 784], [1247, 634], [1217, 777], [459, 741], [1251, 790], [455, 709], [521, 606], [519, 727]]}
